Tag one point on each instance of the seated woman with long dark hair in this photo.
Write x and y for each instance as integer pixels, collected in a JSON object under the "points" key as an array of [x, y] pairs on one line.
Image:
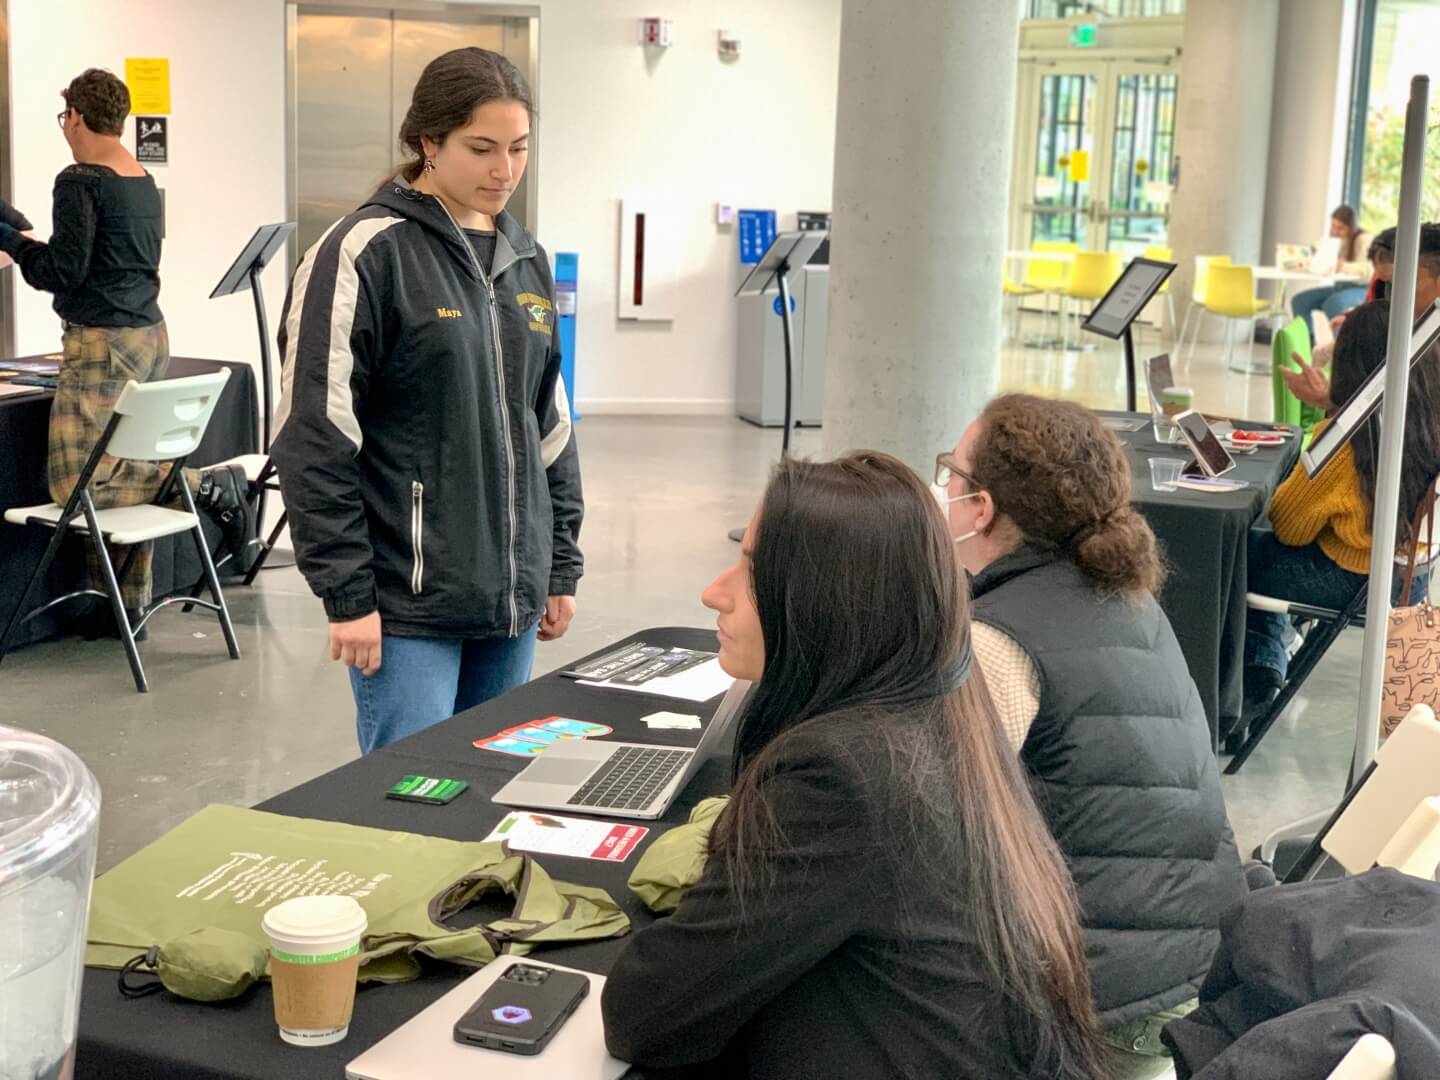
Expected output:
{"points": [[882, 898], [1317, 549]]}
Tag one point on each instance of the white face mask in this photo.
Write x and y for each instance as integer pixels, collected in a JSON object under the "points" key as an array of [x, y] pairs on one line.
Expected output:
{"points": [[944, 498]]}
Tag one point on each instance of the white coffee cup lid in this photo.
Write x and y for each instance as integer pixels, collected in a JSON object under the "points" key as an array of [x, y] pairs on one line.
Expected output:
{"points": [[315, 918]]}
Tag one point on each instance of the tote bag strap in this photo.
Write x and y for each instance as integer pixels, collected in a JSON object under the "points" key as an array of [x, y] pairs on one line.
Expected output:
{"points": [[1424, 516]]}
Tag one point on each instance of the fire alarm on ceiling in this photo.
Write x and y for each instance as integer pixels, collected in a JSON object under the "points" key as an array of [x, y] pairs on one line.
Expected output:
{"points": [[655, 33]]}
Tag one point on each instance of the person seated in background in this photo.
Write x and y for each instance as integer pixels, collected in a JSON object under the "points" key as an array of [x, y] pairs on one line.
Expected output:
{"points": [[1382, 260], [102, 263], [1096, 696], [1309, 383], [1317, 547], [1335, 298], [881, 898]]}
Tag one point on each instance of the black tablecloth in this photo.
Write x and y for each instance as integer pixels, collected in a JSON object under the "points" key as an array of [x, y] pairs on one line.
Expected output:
{"points": [[24, 441], [1202, 538], [162, 1035]]}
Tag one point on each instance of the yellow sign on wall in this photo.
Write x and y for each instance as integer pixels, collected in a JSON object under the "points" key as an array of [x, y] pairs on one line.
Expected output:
{"points": [[148, 79]]}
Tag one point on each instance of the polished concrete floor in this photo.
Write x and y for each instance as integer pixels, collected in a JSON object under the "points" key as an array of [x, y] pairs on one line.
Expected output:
{"points": [[661, 493]]}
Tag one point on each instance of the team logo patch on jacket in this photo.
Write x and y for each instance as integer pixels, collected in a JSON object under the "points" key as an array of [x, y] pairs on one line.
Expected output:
{"points": [[540, 310]]}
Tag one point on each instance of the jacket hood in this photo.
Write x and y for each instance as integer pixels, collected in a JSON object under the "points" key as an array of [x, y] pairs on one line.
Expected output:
{"points": [[512, 241]]}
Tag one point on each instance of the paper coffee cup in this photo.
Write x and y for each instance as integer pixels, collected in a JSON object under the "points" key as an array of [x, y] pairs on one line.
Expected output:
{"points": [[314, 959], [1176, 399]]}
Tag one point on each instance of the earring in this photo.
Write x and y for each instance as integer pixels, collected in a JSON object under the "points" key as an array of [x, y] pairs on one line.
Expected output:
{"points": [[429, 165]]}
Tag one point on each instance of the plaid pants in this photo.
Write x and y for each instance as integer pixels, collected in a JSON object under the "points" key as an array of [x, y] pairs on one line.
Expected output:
{"points": [[97, 363]]}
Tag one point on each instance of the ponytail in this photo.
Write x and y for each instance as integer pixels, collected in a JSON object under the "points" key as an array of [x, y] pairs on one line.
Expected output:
{"points": [[1119, 554]]}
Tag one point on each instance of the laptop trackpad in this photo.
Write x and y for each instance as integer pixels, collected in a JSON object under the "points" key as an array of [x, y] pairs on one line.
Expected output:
{"points": [[558, 770]]}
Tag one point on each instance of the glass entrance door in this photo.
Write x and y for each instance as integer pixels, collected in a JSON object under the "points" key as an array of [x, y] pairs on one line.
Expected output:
{"points": [[1094, 153], [1136, 214], [1064, 137]]}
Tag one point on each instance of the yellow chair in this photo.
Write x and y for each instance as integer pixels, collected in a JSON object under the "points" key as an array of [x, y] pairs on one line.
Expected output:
{"points": [[1091, 276], [1166, 255], [1197, 298], [1230, 295], [1042, 276]]}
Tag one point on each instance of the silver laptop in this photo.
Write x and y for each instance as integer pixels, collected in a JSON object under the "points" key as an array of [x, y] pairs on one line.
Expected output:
{"points": [[425, 1048], [633, 780]]}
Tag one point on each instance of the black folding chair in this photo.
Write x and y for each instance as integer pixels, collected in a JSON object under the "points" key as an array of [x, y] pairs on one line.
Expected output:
{"points": [[160, 421], [1320, 626]]}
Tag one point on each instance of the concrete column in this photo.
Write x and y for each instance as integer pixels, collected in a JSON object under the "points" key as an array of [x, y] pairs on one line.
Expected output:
{"points": [[922, 173], [1309, 120], [1222, 132]]}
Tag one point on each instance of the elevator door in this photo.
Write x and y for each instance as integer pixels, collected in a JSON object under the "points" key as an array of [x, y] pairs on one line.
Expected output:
{"points": [[352, 73]]}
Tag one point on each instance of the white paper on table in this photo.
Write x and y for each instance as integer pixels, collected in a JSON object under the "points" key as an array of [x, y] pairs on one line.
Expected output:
{"points": [[672, 721], [700, 683], [580, 838]]}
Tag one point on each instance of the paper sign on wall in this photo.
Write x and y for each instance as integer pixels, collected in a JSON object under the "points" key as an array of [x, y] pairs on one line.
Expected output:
{"points": [[148, 79]]}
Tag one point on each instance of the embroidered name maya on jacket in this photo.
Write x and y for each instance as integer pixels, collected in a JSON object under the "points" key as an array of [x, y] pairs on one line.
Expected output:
{"points": [[448, 313]]}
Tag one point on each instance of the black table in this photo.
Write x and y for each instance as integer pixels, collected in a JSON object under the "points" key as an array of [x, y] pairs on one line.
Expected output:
{"points": [[163, 1035], [24, 442], [1202, 538]]}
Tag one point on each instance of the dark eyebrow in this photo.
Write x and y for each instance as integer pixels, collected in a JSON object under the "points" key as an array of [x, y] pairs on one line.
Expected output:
{"points": [[492, 142]]}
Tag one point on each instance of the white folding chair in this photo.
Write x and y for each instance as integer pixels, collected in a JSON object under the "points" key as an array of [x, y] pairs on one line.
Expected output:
{"points": [[160, 421], [1378, 810], [1371, 1058]]}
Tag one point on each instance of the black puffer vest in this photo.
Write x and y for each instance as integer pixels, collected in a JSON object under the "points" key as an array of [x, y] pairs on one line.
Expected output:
{"points": [[1120, 762]]}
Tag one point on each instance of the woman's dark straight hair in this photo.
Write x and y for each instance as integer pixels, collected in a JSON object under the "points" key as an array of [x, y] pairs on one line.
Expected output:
{"points": [[449, 90], [862, 606], [1360, 348]]}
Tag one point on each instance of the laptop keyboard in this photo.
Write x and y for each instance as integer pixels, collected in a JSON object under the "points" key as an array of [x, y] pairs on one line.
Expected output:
{"points": [[632, 778]]}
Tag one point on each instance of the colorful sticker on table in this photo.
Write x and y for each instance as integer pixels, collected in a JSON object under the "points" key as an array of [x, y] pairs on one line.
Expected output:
{"points": [[584, 729], [505, 744], [537, 734]]}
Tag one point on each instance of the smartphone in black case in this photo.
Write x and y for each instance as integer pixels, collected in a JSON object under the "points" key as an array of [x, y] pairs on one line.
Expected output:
{"points": [[523, 1009]]}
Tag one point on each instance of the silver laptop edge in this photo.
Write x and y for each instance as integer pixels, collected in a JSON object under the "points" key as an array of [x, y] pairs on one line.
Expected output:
{"points": [[523, 792]]}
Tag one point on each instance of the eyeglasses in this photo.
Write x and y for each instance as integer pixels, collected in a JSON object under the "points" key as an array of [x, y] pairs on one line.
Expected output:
{"points": [[61, 117], [947, 468]]}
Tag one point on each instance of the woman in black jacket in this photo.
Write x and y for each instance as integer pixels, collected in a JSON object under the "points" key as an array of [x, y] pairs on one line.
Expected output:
{"points": [[1096, 696], [424, 443], [102, 263], [881, 898]]}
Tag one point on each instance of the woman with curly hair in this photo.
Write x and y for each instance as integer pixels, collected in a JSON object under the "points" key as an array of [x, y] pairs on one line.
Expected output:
{"points": [[1095, 694]]}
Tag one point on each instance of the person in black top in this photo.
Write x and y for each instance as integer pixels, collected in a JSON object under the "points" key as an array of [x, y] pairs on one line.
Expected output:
{"points": [[881, 898], [102, 263]]}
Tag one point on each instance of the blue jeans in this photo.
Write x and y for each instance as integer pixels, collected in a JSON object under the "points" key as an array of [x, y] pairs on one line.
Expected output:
{"points": [[422, 681], [1331, 299], [1305, 575]]}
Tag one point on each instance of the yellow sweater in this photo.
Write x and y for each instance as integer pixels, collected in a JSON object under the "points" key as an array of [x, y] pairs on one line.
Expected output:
{"points": [[1329, 510]]}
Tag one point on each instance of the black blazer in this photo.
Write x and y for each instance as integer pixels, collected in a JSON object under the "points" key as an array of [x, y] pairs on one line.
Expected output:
{"points": [[822, 977]]}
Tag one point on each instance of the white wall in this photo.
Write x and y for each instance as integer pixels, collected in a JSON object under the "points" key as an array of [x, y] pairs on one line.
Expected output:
{"points": [[1309, 118], [615, 121], [227, 143]]}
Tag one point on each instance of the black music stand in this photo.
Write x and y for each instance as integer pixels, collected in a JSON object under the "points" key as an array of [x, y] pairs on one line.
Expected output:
{"points": [[788, 251], [1121, 306], [244, 273]]}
